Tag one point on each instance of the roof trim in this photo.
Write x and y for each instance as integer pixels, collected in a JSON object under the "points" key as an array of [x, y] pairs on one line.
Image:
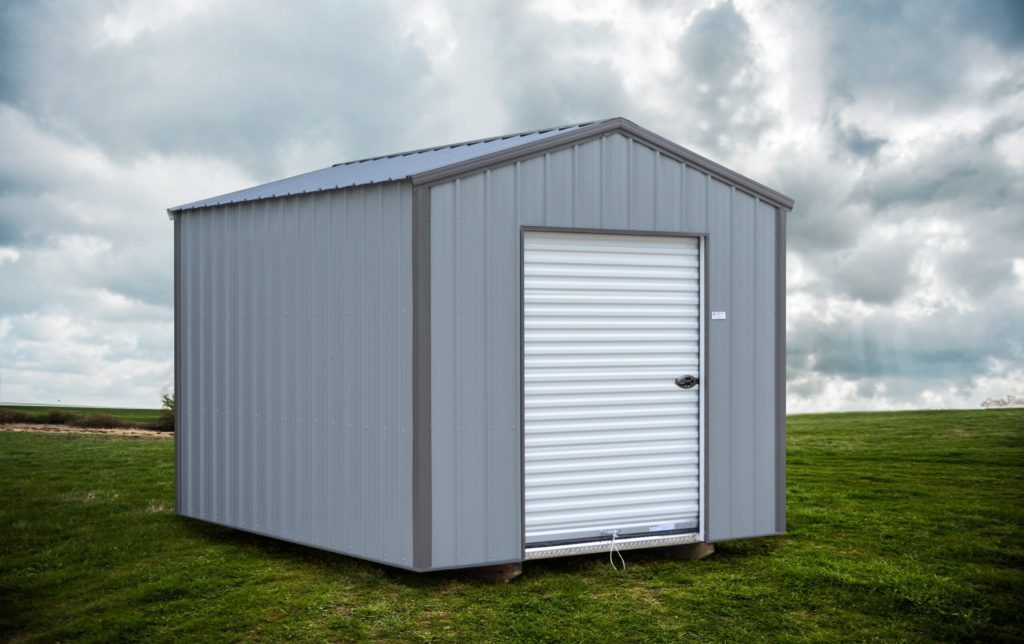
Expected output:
{"points": [[488, 139], [286, 186], [501, 157], [572, 135], [594, 130]]}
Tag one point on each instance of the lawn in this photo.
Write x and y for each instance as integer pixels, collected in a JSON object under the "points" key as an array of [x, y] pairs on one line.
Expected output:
{"points": [[902, 526]]}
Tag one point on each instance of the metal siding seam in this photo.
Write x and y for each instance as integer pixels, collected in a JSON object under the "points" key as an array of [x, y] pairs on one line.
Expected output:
{"points": [[780, 370], [746, 447], [384, 500], [472, 367], [574, 197], [254, 359], [719, 346], [306, 333], [320, 307], [332, 381], [228, 252], [237, 336], [177, 366], [602, 180], [219, 367], [182, 396], [422, 528], [381, 425], [363, 422], [194, 396], [244, 368], [619, 148], [490, 509], [199, 291], [261, 347], [456, 415], [349, 244], [544, 188], [506, 478], [706, 367], [443, 337], [280, 374], [206, 289], [289, 425]]}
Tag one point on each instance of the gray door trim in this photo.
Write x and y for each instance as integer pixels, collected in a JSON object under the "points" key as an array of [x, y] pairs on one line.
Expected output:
{"points": [[780, 370], [706, 381], [422, 473]]}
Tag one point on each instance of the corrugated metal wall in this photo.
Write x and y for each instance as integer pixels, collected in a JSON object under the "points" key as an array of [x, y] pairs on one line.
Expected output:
{"points": [[611, 183], [741, 352], [295, 393]]}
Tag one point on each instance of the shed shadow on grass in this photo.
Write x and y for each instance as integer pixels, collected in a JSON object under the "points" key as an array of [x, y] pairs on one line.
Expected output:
{"points": [[301, 555]]}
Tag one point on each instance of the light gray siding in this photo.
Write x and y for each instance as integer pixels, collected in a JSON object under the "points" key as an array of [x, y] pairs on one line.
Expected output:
{"points": [[294, 388], [741, 350], [611, 183]]}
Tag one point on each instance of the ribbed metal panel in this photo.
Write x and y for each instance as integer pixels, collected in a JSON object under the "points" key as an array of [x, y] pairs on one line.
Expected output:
{"points": [[742, 456], [611, 443], [294, 389], [392, 167], [611, 183]]}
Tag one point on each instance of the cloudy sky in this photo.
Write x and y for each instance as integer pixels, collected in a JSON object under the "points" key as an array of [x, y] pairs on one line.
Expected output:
{"points": [[898, 129]]}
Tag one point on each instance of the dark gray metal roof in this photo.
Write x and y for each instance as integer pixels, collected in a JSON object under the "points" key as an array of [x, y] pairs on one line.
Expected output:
{"points": [[393, 167], [433, 165]]}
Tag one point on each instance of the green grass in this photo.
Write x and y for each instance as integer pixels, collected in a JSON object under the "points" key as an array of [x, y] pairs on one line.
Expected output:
{"points": [[902, 526], [127, 415]]}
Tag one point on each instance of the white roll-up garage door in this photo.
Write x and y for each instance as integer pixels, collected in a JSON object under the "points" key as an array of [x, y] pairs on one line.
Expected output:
{"points": [[611, 441]]}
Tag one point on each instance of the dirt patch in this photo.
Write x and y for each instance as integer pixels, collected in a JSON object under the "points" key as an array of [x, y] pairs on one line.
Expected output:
{"points": [[120, 432]]}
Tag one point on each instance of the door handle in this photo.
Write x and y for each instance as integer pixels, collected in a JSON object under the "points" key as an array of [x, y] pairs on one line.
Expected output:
{"points": [[686, 382]]}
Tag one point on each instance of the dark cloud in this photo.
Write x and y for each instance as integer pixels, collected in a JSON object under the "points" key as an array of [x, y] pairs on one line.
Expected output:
{"points": [[720, 82], [859, 143], [238, 79], [908, 52], [541, 72], [997, 21], [875, 273], [948, 346]]}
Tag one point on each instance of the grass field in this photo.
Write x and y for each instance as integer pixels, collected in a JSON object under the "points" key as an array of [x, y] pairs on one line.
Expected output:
{"points": [[902, 526], [127, 415]]}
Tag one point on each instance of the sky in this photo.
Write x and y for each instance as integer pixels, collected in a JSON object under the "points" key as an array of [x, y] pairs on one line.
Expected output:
{"points": [[898, 128]]}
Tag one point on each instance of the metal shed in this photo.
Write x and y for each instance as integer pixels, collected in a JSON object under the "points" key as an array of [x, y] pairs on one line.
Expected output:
{"points": [[486, 352]]}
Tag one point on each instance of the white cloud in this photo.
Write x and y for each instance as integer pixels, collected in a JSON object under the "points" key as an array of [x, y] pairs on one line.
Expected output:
{"points": [[897, 129]]}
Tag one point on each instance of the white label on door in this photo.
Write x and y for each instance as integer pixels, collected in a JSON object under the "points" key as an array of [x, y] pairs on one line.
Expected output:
{"points": [[718, 315], [661, 527]]}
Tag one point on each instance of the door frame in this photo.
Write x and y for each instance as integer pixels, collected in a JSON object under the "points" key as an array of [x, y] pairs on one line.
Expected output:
{"points": [[589, 545]]}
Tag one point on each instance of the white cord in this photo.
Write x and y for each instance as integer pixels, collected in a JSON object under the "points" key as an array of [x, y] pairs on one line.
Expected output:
{"points": [[613, 550]]}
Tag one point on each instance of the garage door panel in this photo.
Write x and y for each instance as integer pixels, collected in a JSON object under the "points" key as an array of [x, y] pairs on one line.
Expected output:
{"points": [[611, 443]]}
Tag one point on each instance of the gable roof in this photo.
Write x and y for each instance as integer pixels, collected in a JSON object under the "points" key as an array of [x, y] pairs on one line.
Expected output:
{"points": [[433, 165]]}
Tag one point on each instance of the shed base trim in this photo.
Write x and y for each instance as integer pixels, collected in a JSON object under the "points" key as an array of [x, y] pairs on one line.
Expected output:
{"points": [[590, 547]]}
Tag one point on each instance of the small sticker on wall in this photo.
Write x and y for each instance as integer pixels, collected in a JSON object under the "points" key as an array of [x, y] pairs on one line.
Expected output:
{"points": [[718, 315]]}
